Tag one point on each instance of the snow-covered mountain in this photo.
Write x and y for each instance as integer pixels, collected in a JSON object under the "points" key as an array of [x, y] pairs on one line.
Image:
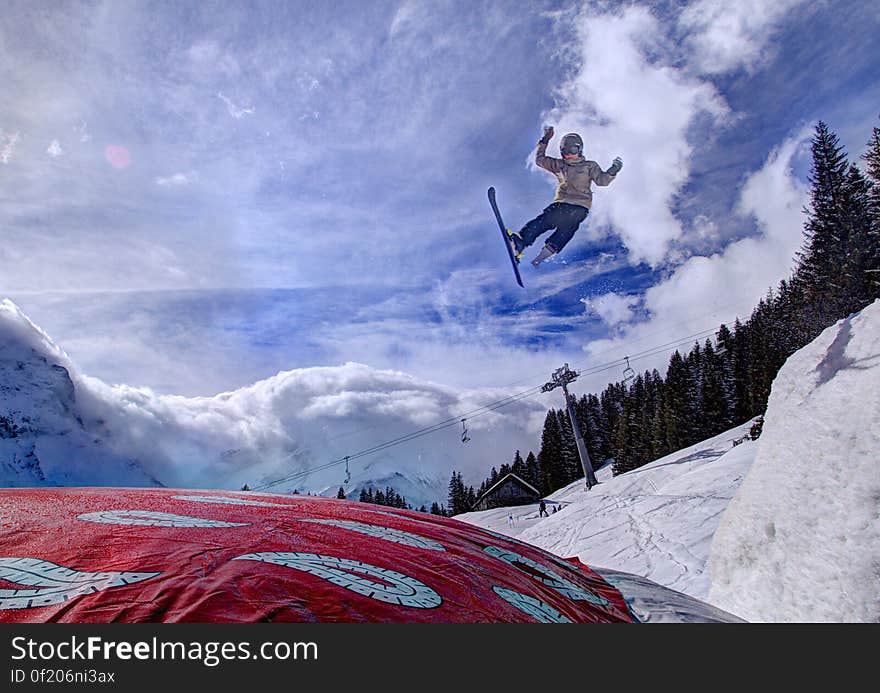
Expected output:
{"points": [[60, 426], [43, 439], [785, 528]]}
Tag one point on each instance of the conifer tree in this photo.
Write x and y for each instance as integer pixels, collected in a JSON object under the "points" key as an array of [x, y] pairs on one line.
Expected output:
{"points": [[569, 467], [532, 472], [657, 437], [340, 493], [589, 413], [493, 477], [455, 498], [715, 400], [857, 246], [518, 467], [820, 256], [675, 404], [872, 160], [551, 454]]}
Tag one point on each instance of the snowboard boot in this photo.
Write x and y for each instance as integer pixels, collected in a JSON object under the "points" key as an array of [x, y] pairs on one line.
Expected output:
{"points": [[517, 245], [547, 251]]}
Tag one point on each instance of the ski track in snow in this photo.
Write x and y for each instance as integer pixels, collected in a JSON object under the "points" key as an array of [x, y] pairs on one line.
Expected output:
{"points": [[656, 521]]}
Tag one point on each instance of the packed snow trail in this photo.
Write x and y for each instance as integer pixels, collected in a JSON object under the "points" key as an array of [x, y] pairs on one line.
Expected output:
{"points": [[656, 521]]}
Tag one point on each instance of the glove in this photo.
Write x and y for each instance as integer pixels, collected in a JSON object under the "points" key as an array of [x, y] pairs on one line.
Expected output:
{"points": [[548, 134], [616, 166]]}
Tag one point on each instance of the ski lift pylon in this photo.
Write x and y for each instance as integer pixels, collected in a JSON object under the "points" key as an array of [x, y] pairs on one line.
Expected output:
{"points": [[628, 372], [464, 432], [347, 472]]}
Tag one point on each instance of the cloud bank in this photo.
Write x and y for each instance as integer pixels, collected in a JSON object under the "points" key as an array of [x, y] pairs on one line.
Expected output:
{"points": [[292, 425]]}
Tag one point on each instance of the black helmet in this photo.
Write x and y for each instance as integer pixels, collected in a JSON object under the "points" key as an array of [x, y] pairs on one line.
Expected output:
{"points": [[571, 144]]}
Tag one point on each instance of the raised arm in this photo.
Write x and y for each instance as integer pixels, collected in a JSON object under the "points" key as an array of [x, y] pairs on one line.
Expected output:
{"points": [[541, 159]]}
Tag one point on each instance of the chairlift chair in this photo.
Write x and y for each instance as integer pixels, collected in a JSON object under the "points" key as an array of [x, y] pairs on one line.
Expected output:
{"points": [[628, 372]]}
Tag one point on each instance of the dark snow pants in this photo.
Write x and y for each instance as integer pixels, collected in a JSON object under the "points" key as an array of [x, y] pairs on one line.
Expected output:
{"points": [[563, 217]]}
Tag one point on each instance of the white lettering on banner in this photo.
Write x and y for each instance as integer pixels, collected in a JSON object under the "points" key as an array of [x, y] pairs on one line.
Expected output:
{"points": [[395, 588], [149, 518], [58, 584], [546, 576], [534, 607], [226, 500], [397, 536]]}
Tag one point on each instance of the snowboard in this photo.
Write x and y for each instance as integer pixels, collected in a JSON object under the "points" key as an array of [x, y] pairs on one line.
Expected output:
{"points": [[506, 236]]}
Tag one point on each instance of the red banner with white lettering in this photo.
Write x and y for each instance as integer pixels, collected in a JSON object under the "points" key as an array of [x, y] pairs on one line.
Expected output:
{"points": [[98, 555]]}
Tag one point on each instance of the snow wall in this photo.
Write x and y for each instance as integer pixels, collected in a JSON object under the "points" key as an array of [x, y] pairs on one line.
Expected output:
{"points": [[800, 541]]}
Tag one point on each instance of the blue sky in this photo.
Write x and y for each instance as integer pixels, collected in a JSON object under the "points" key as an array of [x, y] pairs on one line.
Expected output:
{"points": [[197, 196]]}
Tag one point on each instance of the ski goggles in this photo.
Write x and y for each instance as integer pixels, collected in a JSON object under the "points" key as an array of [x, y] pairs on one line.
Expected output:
{"points": [[572, 150]]}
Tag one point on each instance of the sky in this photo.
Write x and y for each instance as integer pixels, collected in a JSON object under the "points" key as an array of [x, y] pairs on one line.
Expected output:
{"points": [[780, 529], [196, 197]]}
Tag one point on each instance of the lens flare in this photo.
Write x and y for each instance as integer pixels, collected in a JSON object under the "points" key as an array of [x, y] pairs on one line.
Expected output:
{"points": [[117, 156]]}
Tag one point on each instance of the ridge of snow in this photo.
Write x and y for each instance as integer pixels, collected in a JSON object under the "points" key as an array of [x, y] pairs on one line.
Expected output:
{"points": [[800, 541]]}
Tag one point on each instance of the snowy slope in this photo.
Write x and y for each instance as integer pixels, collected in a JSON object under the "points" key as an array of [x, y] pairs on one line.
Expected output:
{"points": [[800, 541], [785, 528], [656, 521]]}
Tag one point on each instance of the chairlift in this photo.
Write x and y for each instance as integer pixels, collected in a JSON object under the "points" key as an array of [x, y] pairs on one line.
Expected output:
{"points": [[628, 372], [347, 472], [464, 432]]}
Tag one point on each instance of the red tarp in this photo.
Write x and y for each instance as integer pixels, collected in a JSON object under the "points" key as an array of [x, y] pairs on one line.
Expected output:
{"points": [[96, 555]]}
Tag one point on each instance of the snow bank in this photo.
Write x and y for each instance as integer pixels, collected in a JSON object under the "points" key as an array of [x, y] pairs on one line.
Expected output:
{"points": [[800, 541]]}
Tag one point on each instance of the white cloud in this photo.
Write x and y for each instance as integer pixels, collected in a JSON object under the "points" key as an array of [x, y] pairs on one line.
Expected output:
{"points": [[7, 145], [177, 179], [726, 36], [54, 150], [292, 422], [708, 290], [627, 102], [407, 15], [775, 198], [235, 111], [614, 309]]}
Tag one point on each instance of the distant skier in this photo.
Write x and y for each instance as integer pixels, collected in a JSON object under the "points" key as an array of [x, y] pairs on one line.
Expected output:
{"points": [[542, 509], [573, 199]]}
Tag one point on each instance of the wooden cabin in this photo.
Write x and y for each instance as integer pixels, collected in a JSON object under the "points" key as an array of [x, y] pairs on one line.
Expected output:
{"points": [[509, 490]]}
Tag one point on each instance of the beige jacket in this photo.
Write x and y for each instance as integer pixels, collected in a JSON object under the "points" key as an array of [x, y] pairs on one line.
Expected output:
{"points": [[574, 177]]}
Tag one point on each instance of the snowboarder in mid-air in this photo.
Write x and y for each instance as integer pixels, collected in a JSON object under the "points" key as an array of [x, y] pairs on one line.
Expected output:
{"points": [[573, 196]]}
